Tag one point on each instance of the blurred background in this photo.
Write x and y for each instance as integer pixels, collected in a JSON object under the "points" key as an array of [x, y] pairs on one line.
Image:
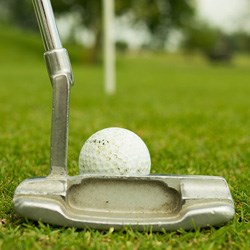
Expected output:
{"points": [[217, 30]]}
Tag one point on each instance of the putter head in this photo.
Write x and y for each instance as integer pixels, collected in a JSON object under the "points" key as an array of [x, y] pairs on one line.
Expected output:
{"points": [[152, 202]]}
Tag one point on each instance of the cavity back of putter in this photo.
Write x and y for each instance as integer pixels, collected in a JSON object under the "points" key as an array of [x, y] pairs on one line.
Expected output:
{"points": [[142, 202]]}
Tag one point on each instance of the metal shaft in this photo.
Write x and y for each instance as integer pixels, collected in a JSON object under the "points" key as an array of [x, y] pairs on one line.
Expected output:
{"points": [[47, 24], [61, 77]]}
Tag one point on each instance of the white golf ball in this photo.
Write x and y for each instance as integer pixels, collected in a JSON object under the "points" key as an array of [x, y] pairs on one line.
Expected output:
{"points": [[114, 151]]}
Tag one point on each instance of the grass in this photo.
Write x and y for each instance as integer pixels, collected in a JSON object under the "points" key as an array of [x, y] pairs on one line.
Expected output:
{"points": [[193, 116]]}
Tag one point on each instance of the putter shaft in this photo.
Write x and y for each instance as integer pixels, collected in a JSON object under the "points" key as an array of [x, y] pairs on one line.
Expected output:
{"points": [[47, 24], [60, 73]]}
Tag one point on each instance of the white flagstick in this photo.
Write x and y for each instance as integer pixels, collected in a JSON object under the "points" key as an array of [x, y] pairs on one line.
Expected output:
{"points": [[109, 47]]}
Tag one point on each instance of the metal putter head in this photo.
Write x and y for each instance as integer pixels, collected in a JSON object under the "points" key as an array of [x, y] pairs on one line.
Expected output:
{"points": [[141, 202], [153, 202]]}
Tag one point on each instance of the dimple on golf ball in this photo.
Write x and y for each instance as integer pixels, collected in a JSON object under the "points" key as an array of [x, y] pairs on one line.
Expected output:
{"points": [[114, 151]]}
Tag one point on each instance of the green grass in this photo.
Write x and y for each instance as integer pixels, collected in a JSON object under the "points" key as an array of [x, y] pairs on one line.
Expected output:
{"points": [[194, 117]]}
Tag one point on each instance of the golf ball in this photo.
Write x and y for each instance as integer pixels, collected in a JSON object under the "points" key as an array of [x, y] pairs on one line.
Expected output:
{"points": [[114, 151]]}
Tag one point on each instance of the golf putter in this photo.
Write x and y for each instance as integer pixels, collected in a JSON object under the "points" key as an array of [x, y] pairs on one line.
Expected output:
{"points": [[154, 202]]}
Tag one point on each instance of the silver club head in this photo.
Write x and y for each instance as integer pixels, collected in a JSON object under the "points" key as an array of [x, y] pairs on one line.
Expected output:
{"points": [[153, 202]]}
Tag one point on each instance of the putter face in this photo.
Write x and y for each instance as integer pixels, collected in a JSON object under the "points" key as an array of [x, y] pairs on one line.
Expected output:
{"points": [[153, 202]]}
